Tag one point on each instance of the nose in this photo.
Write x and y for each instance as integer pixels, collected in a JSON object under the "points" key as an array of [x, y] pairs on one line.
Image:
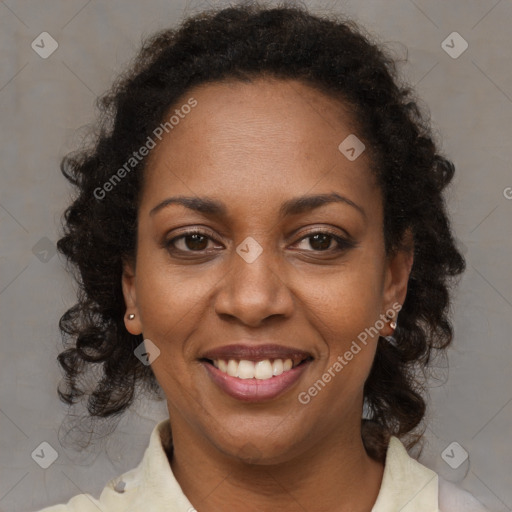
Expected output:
{"points": [[252, 292]]}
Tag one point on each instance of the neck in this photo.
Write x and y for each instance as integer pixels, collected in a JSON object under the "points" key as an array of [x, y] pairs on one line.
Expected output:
{"points": [[334, 475]]}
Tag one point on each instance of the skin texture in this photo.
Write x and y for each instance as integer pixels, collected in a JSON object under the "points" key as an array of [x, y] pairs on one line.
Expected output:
{"points": [[254, 146]]}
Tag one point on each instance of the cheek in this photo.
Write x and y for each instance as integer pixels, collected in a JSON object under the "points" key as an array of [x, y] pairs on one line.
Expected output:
{"points": [[169, 296], [346, 301], [174, 303], [344, 309], [170, 309]]}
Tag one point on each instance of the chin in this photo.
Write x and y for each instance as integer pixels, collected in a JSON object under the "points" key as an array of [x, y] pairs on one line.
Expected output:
{"points": [[256, 446]]}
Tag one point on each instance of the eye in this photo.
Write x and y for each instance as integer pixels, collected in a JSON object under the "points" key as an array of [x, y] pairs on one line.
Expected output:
{"points": [[324, 241], [198, 241], [190, 241]]}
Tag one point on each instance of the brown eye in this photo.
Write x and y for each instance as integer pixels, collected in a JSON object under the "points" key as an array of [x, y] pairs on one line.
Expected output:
{"points": [[189, 242], [322, 241], [195, 242]]}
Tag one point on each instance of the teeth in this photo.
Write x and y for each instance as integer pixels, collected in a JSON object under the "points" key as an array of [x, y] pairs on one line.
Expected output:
{"points": [[246, 369], [277, 367], [232, 369], [261, 370]]}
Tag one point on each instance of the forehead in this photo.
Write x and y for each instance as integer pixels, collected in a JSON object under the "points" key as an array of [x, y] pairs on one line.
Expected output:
{"points": [[289, 111], [264, 134]]}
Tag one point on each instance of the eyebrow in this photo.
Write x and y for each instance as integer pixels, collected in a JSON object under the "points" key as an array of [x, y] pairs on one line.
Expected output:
{"points": [[295, 206]]}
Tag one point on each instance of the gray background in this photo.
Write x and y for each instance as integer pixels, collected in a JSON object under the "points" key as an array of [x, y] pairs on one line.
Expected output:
{"points": [[44, 105]]}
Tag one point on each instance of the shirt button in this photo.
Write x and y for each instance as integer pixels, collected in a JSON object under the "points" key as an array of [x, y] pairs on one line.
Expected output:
{"points": [[119, 487]]}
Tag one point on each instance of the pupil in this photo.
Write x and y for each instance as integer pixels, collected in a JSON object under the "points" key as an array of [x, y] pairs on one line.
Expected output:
{"points": [[324, 244], [196, 243]]}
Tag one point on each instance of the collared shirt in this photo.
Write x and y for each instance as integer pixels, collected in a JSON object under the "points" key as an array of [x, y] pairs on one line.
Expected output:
{"points": [[407, 486]]}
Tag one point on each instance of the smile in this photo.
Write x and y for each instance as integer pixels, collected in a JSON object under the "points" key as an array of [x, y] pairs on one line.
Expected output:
{"points": [[255, 373], [261, 370]]}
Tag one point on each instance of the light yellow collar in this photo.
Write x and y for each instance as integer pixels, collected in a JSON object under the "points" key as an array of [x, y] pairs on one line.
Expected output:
{"points": [[407, 485]]}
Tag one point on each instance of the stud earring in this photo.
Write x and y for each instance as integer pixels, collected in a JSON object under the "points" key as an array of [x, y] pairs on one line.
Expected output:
{"points": [[131, 316], [392, 324]]}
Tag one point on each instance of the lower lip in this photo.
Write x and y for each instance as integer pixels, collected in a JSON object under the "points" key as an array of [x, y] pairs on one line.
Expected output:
{"points": [[255, 390]]}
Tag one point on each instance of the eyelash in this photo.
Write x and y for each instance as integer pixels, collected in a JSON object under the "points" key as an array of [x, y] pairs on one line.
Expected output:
{"points": [[343, 243]]}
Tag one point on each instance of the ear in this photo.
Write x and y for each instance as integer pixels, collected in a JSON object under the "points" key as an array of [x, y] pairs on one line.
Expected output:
{"points": [[398, 269], [133, 326]]}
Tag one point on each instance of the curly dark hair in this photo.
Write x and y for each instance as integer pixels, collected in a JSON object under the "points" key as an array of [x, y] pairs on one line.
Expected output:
{"points": [[336, 57]]}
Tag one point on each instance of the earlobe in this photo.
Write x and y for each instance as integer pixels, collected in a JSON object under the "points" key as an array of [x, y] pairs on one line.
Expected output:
{"points": [[132, 317]]}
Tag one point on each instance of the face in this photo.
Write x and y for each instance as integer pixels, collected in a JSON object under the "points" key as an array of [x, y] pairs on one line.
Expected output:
{"points": [[276, 259]]}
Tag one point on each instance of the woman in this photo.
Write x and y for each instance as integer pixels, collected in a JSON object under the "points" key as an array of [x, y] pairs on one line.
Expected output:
{"points": [[260, 232]]}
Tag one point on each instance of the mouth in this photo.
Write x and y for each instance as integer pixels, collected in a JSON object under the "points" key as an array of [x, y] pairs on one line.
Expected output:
{"points": [[254, 374], [262, 370]]}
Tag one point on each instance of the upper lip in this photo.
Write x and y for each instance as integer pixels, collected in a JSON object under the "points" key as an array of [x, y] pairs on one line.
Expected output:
{"points": [[256, 353]]}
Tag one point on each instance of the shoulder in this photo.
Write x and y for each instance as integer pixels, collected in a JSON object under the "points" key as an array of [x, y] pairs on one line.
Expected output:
{"points": [[79, 503], [455, 499], [409, 486], [117, 496], [145, 487]]}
